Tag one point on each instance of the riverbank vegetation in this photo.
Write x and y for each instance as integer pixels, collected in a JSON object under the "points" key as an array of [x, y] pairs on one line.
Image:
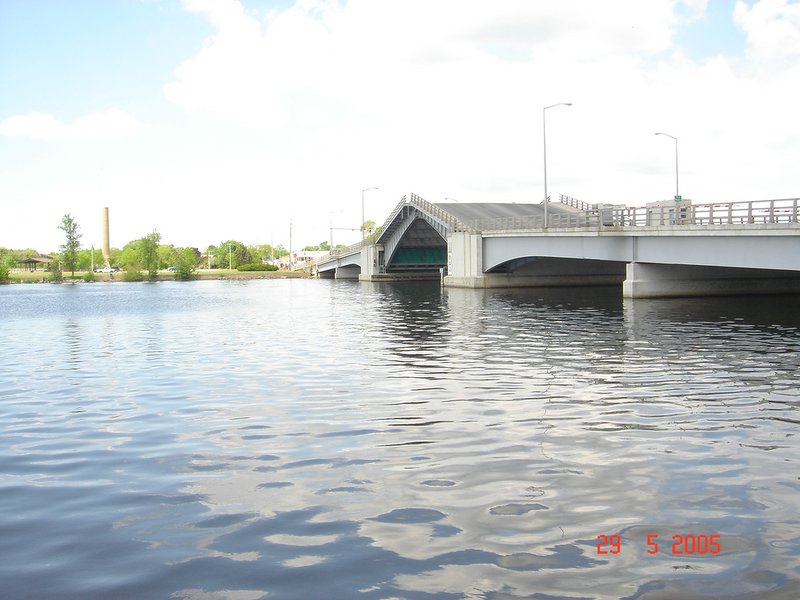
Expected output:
{"points": [[142, 259]]}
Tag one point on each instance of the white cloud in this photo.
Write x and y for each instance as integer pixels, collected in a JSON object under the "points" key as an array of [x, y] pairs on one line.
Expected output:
{"points": [[107, 125], [291, 112], [445, 98], [773, 30]]}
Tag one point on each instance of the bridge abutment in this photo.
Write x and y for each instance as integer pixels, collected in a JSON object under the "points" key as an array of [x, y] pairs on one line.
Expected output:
{"points": [[645, 280]]}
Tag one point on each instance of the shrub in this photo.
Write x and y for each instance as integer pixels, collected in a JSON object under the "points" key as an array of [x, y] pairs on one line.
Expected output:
{"points": [[186, 264], [132, 274], [54, 269], [89, 277], [257, 267]]}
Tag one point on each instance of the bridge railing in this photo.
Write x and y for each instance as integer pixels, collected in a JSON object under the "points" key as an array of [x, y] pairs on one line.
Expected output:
{"points": [[437, 213], [776, 212], [781, 211], [575, 203], [338, 252]]}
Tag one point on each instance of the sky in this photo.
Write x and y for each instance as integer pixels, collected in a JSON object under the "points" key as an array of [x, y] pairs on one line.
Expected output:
{"points": [[211, 120]]}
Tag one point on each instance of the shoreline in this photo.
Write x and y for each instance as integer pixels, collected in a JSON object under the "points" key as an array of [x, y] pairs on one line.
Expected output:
{"points": [[205, 275]]}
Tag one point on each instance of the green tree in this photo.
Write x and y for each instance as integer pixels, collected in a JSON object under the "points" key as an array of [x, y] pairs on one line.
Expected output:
{"points": [[232, 254], [186, 263], [148, 254], [114, 257], [85, 261], [373, 235], [5, 274], [213, 258], [368, 227], [321, 246], [54, 268], [69, 250], [129, 256], [167, 256]]}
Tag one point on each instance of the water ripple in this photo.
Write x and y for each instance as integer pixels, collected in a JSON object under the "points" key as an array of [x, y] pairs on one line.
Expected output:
{"points": [[315, 439]]}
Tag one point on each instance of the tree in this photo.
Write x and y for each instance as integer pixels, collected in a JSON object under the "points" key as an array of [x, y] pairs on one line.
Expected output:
{"points": [[148, 253], [367, 227], [186, 263], [267, 252], [231, 254], [54, 268], [85, 260], [129, 256], [69, 250], [322, 246], [373, 235], [167, 256]]}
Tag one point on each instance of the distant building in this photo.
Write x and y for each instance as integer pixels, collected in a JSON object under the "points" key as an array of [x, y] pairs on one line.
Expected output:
{"points": [[31, 264], [298, 259]]}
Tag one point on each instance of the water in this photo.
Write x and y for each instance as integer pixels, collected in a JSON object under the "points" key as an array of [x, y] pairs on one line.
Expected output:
{"points": [[327, 439]]}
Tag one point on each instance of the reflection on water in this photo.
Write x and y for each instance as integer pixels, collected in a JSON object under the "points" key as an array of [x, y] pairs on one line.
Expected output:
{"points": [[329, 439]]}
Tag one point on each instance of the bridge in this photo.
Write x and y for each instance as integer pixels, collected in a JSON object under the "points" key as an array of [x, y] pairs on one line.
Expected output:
{"points": [[660, 250]]}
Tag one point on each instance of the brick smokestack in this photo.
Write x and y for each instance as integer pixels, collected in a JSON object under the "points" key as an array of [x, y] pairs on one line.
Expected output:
{"points": [[106, 244]]}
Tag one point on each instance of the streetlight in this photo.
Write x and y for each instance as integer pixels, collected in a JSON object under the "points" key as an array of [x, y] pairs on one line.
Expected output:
{"points": [[92, 258], [544, 138], [363, 218], [230, 257], [677, 193]]}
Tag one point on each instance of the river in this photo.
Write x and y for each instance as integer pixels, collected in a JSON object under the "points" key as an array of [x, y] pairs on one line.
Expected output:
{"points": [[312, 439]]}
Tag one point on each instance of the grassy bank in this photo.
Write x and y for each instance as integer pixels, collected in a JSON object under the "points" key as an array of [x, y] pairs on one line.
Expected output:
{"points": [[42, 276]]}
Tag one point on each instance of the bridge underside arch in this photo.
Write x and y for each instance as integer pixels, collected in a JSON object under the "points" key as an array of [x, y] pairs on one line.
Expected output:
{"points": [[534, 270], [420, 249], [348, 267]]}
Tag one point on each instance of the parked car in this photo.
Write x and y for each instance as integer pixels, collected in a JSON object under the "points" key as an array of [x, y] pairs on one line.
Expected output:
{"points": [[172, 268]]}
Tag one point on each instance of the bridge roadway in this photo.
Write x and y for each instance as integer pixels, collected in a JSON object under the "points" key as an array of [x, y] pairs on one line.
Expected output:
{"points": [[662, 250]]}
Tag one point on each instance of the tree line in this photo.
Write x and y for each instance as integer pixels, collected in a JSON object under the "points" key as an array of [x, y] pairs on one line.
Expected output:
{"points": [[141, 258]]}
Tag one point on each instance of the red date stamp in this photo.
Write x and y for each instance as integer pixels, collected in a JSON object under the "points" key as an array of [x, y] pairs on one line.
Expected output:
{"points": [[682, 544]]}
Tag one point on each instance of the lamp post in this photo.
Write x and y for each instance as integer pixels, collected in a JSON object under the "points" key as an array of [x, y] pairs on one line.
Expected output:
{"points": [[677, 193], [363, 217], [92, 258], [544, 138], [230, 257]]}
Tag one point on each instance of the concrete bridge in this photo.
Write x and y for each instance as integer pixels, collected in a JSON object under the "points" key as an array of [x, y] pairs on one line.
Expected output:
{"points": [[661, 250]]}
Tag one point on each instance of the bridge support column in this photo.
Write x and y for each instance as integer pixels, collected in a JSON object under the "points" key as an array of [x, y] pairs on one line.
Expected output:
{"points": [[465, 260], [369, 262], [645, 280]]}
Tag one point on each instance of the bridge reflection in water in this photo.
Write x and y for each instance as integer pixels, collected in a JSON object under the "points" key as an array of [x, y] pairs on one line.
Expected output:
{"points": [[661, 250]]}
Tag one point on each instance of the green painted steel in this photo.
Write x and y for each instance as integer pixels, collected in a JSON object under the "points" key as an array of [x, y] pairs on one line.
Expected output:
{"points": [[420, 256]]}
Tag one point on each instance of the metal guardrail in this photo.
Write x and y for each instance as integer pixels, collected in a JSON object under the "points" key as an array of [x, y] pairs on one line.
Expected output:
{"points": [[758, 212], [436, 212], [575, 203]]}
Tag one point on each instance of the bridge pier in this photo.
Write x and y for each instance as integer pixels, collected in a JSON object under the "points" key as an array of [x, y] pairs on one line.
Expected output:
{"points": [[349, 272], [644, 280]]}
